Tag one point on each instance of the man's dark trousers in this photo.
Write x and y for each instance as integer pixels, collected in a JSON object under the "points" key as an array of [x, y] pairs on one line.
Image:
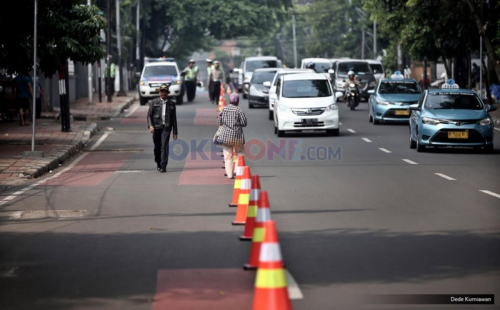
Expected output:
{"points": [[161, 138], [216, 92]]}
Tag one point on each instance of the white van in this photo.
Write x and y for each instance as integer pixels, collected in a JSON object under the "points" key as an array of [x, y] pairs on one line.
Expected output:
{"points": [[252, 63], [377, 68]]}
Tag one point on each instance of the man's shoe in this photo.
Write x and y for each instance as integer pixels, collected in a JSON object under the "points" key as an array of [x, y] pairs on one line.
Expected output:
{"points": [[162, 170]]}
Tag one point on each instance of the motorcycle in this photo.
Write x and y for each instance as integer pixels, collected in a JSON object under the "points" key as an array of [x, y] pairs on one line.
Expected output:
{"points": [[352, 96]]}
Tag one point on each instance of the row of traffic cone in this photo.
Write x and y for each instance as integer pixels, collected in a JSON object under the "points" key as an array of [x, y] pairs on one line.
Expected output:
{"points": [[253, 211]]}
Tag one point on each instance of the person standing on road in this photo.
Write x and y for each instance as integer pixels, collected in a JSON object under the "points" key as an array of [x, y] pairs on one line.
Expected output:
{"points": [[23, 92], [190, 80], [209, 84], [162, 120], [232, 119], [216, 78]]}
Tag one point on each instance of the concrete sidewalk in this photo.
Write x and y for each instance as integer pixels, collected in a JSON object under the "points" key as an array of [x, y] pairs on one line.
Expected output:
{"points": [[57, 146], [82, 111]]}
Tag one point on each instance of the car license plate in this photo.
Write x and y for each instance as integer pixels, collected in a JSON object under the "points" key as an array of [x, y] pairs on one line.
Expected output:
{"points": [[309, 120], [458, 135], [402, 112]]}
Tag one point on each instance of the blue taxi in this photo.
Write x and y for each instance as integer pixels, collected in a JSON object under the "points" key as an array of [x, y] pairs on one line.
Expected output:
{"points": [[451, 116], [391, 100]]}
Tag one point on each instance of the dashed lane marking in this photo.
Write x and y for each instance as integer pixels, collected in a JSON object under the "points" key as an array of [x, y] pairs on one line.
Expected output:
{"points": [[294, 291], [445, 176], [490, 193], [367, 140], [128, 171], [350, 130], [385, 150], [410, 162]]}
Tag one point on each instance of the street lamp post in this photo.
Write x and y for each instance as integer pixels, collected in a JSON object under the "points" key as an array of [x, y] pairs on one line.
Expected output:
{"points": [[121, 92], [34, 79], [108, 50]]}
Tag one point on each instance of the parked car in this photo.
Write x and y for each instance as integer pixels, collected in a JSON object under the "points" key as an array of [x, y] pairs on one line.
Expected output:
{"points": [[377, 69], [391, 100], [451, 116], [272, 86], [158, 71], [259, 94], [305, 102], [251, 64], [363, 73]]}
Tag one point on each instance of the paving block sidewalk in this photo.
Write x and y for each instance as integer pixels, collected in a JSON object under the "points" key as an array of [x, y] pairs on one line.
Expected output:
{"points": [[81, 110], [56, 146]]}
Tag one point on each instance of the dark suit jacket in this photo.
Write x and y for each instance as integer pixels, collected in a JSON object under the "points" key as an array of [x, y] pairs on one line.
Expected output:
{"points": [[155, 118]]}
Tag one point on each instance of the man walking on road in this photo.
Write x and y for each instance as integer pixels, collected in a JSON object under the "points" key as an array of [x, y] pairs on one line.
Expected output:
{"points": [[162, 119], [209, 84], [191, 79], [216, 78]]}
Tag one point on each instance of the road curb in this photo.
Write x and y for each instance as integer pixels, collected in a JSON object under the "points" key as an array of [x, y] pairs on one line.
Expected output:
{"points": [[46, 164]]}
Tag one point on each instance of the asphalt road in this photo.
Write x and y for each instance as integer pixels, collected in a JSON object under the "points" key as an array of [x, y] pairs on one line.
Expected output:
{"points": [[374, 218]]}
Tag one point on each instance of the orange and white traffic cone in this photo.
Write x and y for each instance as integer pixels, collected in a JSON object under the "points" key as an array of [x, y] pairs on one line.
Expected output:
{"points": [[252, 209], [222, 100], [237, 181], [271, 291], [263, 215], [243, 200]]}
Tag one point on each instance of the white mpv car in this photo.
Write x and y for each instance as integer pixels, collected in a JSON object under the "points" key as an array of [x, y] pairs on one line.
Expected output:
{"points": [[305, 102]]}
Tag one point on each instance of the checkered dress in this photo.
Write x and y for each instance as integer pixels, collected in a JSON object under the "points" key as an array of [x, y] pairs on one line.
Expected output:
{"points": [[232, 120]]}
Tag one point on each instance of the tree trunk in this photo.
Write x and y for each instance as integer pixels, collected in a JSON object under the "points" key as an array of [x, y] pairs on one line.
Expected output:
{"points": [[447, 67], [487, 43], [487, 81]]}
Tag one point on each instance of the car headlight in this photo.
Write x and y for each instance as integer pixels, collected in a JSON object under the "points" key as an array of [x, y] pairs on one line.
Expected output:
{"points": [[381, 102], [284, 108], [484, 122], [254, 91], [430, 121], [141, 83], [178, 82], [332, 107], [372, 84]]}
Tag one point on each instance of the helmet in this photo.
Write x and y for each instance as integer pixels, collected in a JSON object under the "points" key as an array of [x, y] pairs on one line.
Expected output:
{"points": [[310, 65], [350, 73]]}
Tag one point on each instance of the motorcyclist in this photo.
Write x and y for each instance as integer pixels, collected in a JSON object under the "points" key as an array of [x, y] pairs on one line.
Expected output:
{"points": [[351, 79]]}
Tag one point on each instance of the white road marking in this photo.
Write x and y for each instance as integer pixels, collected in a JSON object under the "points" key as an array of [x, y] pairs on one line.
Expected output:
{"points": [[76, 161], [136, 106], [340, 123], [497, 129], [367, 140], [410, 162], [350, 130], [294, 291], [19, 193], [128, 171], [490, 193], [385, 150], [445, 176]]}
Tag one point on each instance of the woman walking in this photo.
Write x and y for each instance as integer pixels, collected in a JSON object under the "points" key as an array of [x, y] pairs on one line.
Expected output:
{"points": [[232, 120]]}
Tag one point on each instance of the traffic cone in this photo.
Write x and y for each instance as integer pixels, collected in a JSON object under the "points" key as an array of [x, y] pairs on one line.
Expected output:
{"points": [[271, 291], [252, 209], [263, 215], [237, 181], [222, 100], [241, 212]]}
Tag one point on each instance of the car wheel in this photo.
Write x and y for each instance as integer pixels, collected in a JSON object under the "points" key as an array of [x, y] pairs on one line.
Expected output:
{"points": [[370, 118], [332, 132], [281, 133], [275, 130], [420, 148], [271, 115], [143, 101], [245, 96], [375, 121], [488, 149], [413, 144], [179, 100], [250, 106]]}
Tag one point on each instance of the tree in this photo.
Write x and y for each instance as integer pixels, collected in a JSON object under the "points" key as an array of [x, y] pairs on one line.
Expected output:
{"points": [[66, 29]]}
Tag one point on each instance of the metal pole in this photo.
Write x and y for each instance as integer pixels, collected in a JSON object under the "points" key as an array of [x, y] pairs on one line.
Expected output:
{"points": [[34, 80], [481, 67], [362, 44], [121, 92], [294, 41], [91, 89], [375, 39], [108, 51], [138, 30]]}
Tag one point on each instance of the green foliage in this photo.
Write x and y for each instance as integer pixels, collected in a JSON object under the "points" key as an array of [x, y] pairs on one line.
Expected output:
{"points": [[66, 29]]}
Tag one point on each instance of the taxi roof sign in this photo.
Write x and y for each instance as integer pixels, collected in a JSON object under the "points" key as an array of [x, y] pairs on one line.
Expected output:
{"points": [[450, 84], [397, 75]]}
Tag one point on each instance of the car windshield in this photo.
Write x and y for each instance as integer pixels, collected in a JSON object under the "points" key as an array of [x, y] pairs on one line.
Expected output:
{"points": [[459, 101], [306, 89], [376, 68], [358, 68], [159, 70], [259, 64], [322, 67], [398, 87], [260, 77]]}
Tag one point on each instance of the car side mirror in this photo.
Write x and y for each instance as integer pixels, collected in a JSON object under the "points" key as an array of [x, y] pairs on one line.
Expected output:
{"points": [[371, 91], [331, 71], [267, 84], [414, 107], [491, 107], [1, 89], [375, 71], [338, 94]]}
